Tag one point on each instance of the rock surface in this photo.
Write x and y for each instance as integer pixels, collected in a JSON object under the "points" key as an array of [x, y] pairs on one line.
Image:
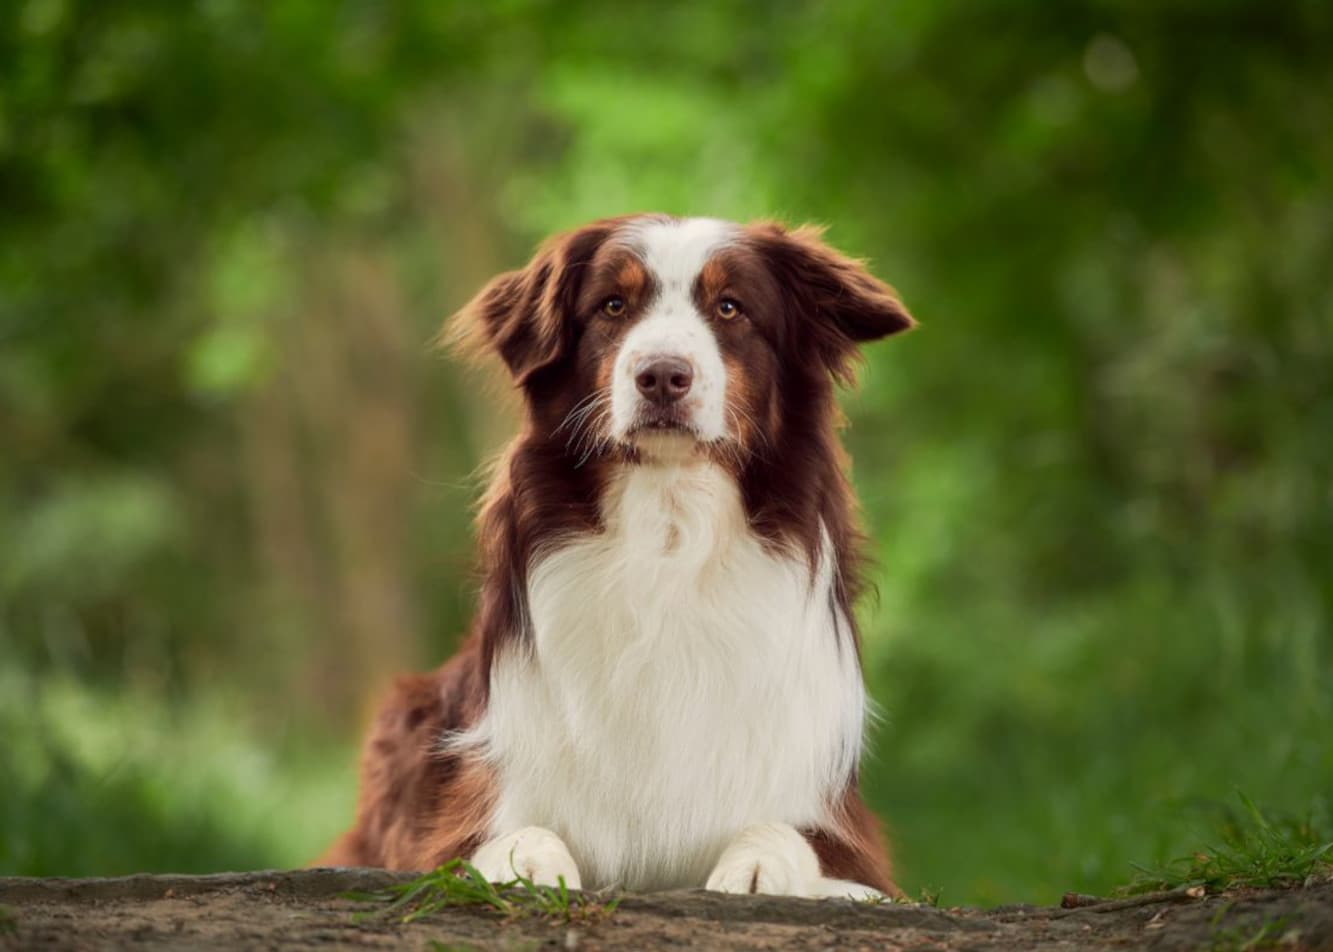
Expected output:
{"points": [[305, 910]]}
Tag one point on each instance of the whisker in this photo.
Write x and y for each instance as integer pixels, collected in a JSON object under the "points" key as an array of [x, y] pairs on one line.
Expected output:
{"points": [[578, 434], [579, 411], [595, 435], [733, 441], [589, 410], [754, 424]]}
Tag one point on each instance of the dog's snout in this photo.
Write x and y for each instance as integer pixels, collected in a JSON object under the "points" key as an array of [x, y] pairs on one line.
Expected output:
{"points": [[663, 380]]}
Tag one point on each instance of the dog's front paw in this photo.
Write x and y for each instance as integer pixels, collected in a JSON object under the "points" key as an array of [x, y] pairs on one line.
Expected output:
{"points": [[533, 853], [826, 888], [772, 859]]}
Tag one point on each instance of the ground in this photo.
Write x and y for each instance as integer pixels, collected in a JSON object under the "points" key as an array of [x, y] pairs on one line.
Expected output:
{"points": [[306, 910]]}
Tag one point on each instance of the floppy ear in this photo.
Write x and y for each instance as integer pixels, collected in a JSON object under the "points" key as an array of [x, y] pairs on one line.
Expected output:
{"points": [[527, 316], [840, 303]]}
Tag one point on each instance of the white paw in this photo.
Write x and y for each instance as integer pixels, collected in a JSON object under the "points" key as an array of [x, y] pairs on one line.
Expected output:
{"points": [[772, 859], [533, 853], [826, 888]]}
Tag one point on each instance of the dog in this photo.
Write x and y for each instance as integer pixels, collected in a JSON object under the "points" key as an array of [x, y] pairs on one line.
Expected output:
{"points": [[661, 687]]}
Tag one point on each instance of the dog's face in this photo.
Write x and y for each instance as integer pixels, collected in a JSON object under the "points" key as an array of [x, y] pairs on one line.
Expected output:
{"points": [[663, 339]]}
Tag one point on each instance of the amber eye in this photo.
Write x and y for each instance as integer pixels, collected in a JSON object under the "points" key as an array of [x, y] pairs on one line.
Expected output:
{"points": [[727, 309], [613, 306]]}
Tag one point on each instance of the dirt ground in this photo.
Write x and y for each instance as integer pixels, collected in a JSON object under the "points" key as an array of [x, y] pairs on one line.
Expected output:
{"points": [[304, 910]]}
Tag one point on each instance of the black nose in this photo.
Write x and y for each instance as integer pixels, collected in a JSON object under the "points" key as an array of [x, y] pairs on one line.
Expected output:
{"points": [[664, 380]]}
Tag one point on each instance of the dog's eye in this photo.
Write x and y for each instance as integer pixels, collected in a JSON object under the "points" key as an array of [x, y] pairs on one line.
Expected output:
{"points": [[613, 306], [727, 309]]}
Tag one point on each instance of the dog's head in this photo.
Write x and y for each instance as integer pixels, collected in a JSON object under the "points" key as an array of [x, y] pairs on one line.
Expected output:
{"points": [[662, 339]]}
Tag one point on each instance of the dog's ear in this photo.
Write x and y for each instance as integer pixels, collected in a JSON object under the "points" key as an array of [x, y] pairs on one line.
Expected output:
{"points": [[840, 304], [527, 316]]}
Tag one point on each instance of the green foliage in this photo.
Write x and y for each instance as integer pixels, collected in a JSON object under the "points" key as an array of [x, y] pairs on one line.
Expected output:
{"points": [[100, 783], [1251, 850], [459, 883], [1097, 477]]}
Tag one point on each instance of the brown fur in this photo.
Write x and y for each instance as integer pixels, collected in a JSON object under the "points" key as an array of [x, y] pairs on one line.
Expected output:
{"points": [[806, 309], [419, 807]]}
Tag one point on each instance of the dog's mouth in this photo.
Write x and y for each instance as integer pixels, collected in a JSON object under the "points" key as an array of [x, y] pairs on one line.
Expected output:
{"points": [[662, 426], [662, 421], [663, 435]]}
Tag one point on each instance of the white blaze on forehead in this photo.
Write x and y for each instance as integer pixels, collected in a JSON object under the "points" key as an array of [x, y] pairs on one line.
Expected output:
{"points": [[674, 252]]}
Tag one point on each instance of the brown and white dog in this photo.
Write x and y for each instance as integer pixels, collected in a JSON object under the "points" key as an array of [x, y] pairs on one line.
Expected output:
{"points": [[661, 687]]}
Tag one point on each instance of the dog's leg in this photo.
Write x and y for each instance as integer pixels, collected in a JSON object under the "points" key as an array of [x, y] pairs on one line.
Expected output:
{"points": [[533, 853], [773, 858]]}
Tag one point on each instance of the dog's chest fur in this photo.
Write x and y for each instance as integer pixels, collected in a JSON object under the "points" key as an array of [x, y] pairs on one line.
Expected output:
{"points": [[683, 683]]}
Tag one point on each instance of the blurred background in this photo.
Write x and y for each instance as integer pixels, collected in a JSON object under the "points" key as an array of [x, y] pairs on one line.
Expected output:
{"points": [[236, 482]]}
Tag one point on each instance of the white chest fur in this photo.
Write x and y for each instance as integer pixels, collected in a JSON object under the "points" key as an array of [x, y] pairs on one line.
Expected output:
{"points": [[684, 683]]}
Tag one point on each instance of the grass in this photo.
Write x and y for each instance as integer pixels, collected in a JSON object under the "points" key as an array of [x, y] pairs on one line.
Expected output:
{"points": [[458, 883], [930, 896], [9, 922], [1250, 850], [925, 897]]}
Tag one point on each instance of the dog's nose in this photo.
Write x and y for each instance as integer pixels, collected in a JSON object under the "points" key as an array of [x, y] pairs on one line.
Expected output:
{"points": [[664, 380]]}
